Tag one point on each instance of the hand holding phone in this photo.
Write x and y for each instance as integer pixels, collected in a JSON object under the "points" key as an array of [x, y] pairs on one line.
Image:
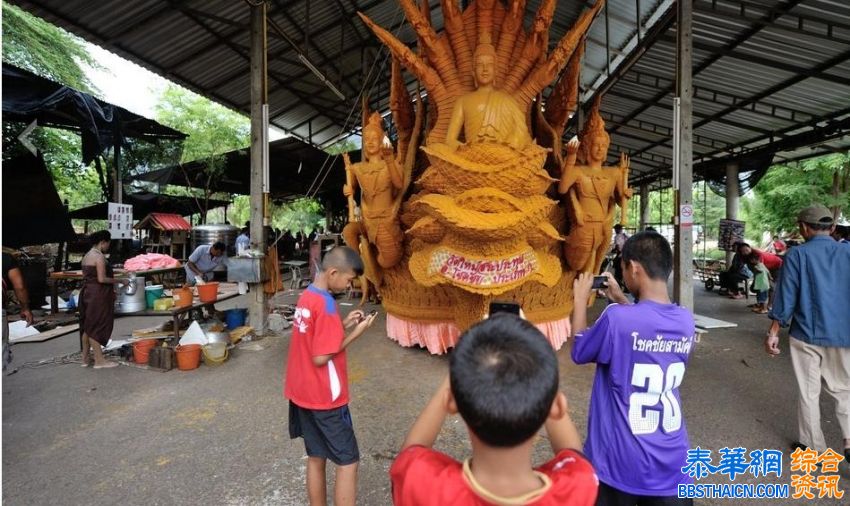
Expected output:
{"points": [[600, 282]]}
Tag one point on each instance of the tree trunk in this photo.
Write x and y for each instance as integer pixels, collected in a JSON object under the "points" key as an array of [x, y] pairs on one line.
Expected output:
{"points": [[836, 190]]}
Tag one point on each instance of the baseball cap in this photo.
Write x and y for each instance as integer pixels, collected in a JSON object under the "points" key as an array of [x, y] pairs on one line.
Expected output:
{"points": [[816, 214]]}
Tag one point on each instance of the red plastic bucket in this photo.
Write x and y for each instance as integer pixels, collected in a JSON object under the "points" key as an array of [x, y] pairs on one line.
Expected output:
{"points": [[142, 349], [208, 292], [188, 356]]}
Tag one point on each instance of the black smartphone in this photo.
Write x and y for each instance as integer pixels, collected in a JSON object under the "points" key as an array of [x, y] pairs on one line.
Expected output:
{"points": [[504, 307], [600, 282]]}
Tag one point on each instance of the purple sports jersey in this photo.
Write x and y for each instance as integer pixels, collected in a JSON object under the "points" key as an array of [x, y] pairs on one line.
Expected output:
{"points": [[636, 435]]}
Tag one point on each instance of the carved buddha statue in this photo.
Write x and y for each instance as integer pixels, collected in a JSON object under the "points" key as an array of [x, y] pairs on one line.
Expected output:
{"points": [[487, 114]]}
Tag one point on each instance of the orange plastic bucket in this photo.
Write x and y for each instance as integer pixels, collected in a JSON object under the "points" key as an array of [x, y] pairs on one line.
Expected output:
{"points": [[208, 292], [182, 297], [188, 356], [142, 349]]}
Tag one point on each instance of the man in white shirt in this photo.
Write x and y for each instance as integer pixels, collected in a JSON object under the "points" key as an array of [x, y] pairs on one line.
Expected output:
{"points": [[243, 242], [203, 261]]}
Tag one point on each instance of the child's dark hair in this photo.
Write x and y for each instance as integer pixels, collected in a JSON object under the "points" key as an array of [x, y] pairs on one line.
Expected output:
{"points": [[753, 258], [99, 236], [504, 377], [652, 251], [343, 258], [219, 246]]}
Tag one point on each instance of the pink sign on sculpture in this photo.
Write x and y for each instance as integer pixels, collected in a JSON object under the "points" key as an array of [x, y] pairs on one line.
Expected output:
{"points": [[483, 271]]}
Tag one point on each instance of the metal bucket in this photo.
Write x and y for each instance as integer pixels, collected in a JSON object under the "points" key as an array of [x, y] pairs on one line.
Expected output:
{"points": [[131, 298], [209, 234]]}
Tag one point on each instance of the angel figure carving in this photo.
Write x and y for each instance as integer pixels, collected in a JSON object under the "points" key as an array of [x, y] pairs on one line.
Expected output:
{"points": [[592, 191], [380, 179]]}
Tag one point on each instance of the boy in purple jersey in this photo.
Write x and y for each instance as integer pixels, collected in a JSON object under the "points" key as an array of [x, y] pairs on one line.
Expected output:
{"points": [[636, 435]]}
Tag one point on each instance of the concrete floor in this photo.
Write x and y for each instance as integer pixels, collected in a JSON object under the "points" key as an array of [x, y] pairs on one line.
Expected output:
{"points": [[219, 435]]}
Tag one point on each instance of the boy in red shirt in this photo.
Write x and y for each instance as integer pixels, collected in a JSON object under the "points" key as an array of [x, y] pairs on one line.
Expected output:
{"points": [[503, 380], [317, 378]]}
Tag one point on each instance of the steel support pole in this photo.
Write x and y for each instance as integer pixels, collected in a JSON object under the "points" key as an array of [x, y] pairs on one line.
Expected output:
{"points": [[257, 311], [732, 170], [683, 282], [644, 206]]}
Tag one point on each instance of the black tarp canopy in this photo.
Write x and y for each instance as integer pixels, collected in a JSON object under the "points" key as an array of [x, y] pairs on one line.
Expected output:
{"points": [[145, 203], [28, 97], [295, 169], [33, 213]]}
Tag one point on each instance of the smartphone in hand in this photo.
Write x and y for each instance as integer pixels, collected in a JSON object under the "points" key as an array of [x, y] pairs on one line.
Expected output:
{"points": [[600, 282]]}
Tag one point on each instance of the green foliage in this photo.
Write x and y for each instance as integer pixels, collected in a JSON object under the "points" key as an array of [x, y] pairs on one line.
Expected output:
{"points": [[341, 147], [301, 215], [44, 49], [40, 47], [709, 209], [239, 210], [213, 130], [76, 183], [784, 190]]}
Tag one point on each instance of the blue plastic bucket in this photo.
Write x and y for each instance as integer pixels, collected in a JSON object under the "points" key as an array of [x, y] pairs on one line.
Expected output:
{"points": [[235, 317]]}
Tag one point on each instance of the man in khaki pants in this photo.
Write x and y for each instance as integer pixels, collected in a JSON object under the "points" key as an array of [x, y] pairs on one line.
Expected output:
{"points": [[813, 295]]}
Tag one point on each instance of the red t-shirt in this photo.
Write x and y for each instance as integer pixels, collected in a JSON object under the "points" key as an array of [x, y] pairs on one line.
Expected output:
{"points": [[771, 261], [317, 330], [424, 477]]}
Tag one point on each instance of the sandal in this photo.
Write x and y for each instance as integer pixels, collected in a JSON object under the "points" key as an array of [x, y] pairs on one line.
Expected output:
{"points": [[760, 311]]}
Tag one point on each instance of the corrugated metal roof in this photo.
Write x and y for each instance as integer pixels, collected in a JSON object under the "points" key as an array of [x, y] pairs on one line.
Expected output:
{"points": [[170, 221], [764, 70]]}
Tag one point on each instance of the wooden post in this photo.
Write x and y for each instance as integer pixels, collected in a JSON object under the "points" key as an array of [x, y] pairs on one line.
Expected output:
{"points": [[257, 310], [644, 206], [683, 283]]}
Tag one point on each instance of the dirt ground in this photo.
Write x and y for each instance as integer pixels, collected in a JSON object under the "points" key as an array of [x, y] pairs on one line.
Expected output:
{"points": [[218, 435]]}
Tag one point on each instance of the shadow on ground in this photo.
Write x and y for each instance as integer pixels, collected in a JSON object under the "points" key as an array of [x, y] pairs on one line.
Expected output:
{"points": [[218, 435]]}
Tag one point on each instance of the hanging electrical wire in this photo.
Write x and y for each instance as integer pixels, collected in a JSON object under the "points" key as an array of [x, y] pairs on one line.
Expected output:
{"points": [[369, 83]]}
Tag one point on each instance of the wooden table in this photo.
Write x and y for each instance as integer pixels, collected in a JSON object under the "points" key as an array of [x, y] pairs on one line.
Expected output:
{"points": [[78, 275], [177, 314]]}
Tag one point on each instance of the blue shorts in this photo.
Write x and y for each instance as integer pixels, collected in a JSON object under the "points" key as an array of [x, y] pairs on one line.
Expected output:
{"points": [[327, 433]]}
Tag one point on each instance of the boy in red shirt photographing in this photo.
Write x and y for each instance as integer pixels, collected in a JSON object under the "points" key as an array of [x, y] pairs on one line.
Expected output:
{"points": [[503, 380], [317, 377]]}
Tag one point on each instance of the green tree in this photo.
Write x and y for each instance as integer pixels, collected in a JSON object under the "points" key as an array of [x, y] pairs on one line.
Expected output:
{"points": [[300, 215], [785, 189], [45, 49], [709, 209], [213, 130], [341, 147]]}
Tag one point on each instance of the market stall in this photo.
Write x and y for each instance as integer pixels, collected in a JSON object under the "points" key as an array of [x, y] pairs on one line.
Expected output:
{"points": [[165, 233]]}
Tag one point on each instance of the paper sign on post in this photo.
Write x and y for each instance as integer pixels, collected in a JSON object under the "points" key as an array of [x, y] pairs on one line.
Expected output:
{"points": [[120, 220]]}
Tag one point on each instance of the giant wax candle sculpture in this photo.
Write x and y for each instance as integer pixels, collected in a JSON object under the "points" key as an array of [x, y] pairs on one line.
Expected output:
{"points": [[466, 208]]}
